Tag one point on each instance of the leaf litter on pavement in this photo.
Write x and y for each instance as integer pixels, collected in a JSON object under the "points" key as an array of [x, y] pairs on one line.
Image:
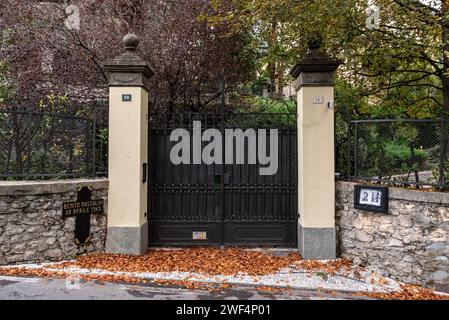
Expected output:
{"points": [[212, 262], [229, 261]]}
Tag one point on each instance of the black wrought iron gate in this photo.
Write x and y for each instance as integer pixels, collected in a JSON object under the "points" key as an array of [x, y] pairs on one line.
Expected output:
{"points": [[222, 204]]}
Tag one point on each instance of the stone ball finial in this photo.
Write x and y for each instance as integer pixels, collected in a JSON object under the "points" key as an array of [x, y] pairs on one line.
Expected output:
{"points": [[315, 41], [131, 42]]}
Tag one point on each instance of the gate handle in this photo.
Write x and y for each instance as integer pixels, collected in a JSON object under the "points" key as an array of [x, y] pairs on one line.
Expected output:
{"points": [[144, 167]]}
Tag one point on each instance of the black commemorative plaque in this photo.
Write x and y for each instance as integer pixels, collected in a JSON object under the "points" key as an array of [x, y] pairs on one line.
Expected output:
{"points": [[82, 209]]}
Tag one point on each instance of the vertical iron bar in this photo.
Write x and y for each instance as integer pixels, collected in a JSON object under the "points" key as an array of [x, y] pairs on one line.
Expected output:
{"points": [[223, 171], [164, 170], [29, 151], [443, 143], [94, 143], [87, 146], [337, 167], [223, 89], [355, 149], [445, 157], [348, 142]]}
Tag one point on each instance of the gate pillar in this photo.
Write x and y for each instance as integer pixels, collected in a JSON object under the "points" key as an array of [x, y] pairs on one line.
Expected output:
{"points": [[315, 75], [128, 135]]}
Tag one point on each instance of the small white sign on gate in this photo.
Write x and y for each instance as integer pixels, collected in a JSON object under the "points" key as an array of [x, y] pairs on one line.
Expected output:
{"points": [[199, 235]]}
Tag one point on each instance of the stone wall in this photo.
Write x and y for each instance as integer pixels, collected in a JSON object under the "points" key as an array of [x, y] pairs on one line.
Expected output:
{"points": [[410, 244], [32, 228]]}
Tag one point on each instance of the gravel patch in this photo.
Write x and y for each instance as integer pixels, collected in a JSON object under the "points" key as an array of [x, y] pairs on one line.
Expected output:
{"points": [[294, 277]]}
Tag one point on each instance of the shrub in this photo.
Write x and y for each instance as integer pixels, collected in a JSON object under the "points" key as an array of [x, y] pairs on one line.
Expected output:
{"points": [[405, 158]]}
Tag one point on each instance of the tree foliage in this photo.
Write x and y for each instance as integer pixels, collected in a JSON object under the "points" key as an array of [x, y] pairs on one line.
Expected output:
{"points": [[401, 66], [189, 57]]}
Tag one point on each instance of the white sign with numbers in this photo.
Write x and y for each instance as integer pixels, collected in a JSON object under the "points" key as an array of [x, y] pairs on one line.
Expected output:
{"points": [[371, 197]]}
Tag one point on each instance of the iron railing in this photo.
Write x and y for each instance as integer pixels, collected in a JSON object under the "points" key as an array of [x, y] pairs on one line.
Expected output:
{"points": [[100, 135], [40, 145]]}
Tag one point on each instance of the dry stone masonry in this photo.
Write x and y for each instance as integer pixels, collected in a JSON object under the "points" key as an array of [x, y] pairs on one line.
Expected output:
{"points": [[410, 244], [32, 228]]}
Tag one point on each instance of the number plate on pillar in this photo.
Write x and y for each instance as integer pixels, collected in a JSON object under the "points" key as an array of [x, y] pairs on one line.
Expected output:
{"points": [[127, 97], [199, 235], [318, 100]]}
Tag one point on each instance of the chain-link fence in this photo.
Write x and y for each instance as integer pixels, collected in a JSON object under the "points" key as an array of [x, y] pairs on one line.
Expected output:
{"points": [[397, 152], [36, 145]]}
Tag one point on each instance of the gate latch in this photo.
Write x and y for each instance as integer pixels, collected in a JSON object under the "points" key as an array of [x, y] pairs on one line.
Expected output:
{"points": [[144, 169], [218, 181]]}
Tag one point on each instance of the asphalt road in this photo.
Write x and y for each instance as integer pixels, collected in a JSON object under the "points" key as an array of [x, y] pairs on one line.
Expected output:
{"points": [[14, 288]]}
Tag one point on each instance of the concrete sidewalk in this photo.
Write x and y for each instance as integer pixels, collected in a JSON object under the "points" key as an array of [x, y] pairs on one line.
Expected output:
{"points": [[22, 288]]}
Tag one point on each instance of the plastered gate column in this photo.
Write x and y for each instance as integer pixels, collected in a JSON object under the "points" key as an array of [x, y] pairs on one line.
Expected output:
{"points": [[315, 75], [128, 151]]}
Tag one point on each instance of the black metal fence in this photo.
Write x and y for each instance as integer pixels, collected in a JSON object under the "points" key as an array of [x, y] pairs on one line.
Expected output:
{"points": [[407, 152], [37, 145], [100, 127]]}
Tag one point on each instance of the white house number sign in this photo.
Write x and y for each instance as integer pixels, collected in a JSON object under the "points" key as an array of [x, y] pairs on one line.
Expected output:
{"points": [[370, 198]]}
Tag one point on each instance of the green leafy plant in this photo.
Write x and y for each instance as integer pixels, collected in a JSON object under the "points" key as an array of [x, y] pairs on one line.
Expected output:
{"points": [[405, 157]]}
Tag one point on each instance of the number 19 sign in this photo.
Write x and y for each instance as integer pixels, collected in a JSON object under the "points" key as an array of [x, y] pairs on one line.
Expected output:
{"points": [[371, 198]]}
